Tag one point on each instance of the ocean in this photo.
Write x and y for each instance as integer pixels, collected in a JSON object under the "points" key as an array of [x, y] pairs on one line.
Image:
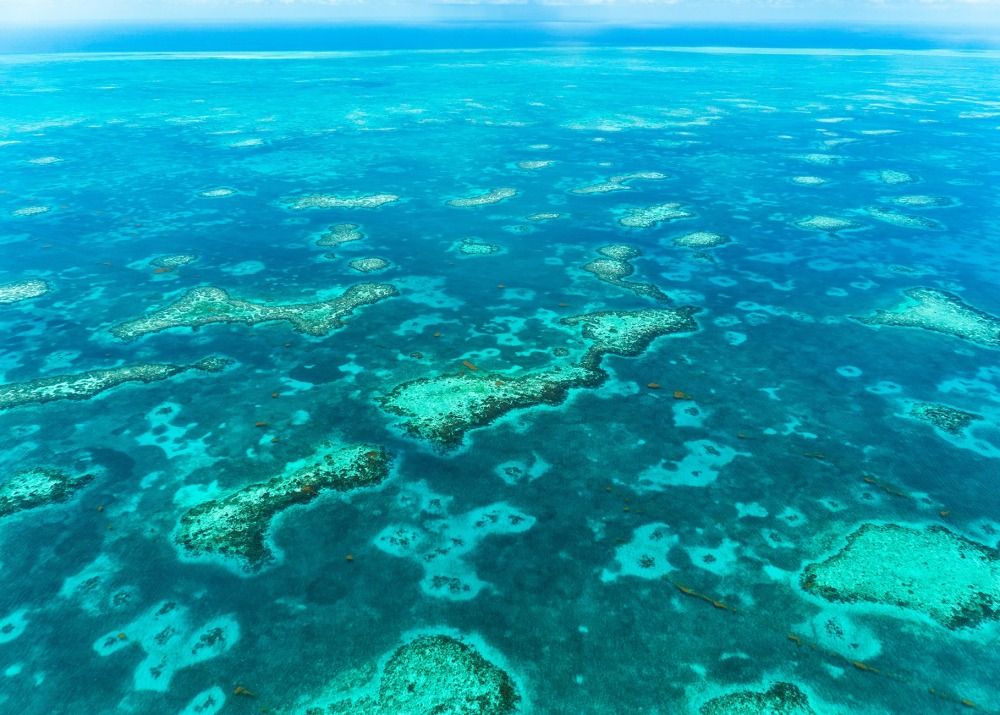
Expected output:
{"points": [[558, 380]]}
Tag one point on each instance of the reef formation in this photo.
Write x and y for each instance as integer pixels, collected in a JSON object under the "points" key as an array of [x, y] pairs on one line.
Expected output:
{"points": [[780, 699], [442, 409], [922, 201], [616, 265], [207, 304], [945, 418], [940, 312], [492, 196], [340, 233], [653, 215], [368, 265], [37, 487], [931, 571], [430, 675], [84, 385], [702, 240], [828, 224], [904, 220], [328, 201], [236, 526], [475, 247], [23, 290], [440, 546], [174, 261], [617, 183]]}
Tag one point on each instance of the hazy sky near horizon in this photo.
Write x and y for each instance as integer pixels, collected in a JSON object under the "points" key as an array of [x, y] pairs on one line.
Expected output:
{"points": [[620, 12]]}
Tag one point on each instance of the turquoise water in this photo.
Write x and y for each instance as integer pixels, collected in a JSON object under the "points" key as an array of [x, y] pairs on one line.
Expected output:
{"points": [[577, 542]]}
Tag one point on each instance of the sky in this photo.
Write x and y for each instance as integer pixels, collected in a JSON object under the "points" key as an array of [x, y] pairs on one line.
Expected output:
{"points": [[599, 12]]}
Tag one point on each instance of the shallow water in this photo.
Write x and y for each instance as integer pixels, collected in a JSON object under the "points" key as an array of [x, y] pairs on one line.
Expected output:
{"points": [[622, 511]]}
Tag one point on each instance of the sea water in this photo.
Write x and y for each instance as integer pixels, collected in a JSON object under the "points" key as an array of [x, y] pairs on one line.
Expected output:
{"points": [[789, 504]]}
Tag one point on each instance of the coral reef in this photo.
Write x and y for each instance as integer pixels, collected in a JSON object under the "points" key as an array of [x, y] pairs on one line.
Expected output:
{"points": [[945, 418], [808, 180], [206, 304], [441, 544], [535, 164], [442, 409], [220, 193], [236, 526], [779, 699], [653, 215], [37, 487], [170, 642], [430, 675], [904, 220], [919, 201], [940, 312], [368, 265], [30, 211], [490, 197], [892, 176], [23, 290], [329, 201], [340, 233], [629, 333], [932, 571], [818, 158], [702, 240], [617, 183], [474, 247], [828, 224], [174, 261], [84, 385], [615, 267]]}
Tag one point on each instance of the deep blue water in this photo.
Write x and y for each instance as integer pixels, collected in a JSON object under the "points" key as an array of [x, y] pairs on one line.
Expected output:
{"points": [[778, 371]]}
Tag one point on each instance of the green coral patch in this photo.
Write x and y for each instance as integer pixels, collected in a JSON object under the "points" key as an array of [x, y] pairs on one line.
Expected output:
{"points": [[37, 487], [629, 332], [23, 290], [340, 233], [84, 385], [430, 675], [614, 267], [492, 196], [206, 304], [653, 215], [931, 571], [236, 526], [945, 418], [779, 699], [442, 409], [940, 312], [367, 265]]}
